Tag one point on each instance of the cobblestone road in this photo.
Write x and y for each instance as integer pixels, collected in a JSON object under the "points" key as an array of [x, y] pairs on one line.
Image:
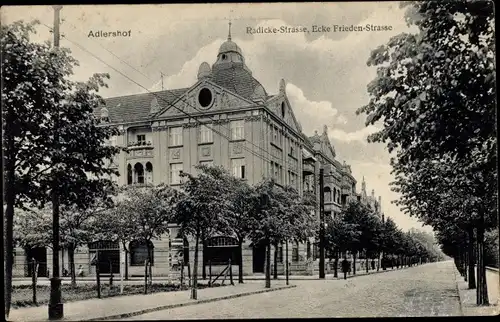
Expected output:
{"points": [[427, 290]]}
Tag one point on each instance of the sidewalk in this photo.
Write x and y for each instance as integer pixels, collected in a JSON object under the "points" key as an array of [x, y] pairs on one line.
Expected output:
{"points": [[163, 279], [316, 275], [131, 305], [468, 296]]}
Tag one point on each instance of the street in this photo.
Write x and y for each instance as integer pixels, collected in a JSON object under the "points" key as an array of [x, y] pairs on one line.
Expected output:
{"points": [[426, 290]]}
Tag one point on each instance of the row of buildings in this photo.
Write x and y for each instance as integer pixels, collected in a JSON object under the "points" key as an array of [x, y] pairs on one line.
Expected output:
{"points": [[226, 118]]}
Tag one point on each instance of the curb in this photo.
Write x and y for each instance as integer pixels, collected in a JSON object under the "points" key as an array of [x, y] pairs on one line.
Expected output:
{"points": [[458, 292], [172, 306]]}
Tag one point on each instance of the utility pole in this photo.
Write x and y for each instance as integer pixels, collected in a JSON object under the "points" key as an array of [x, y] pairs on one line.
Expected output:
{"points": [[161, 75], [55, 303], [322, 225]]}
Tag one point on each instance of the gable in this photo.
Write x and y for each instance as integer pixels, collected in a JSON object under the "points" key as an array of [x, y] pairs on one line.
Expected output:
{"points": [[204, 96], [275, 105], [326, 147]]}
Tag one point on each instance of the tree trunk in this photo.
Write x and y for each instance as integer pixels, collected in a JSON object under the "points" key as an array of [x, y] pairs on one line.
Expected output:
{"points": [[146, 276], [366, 261], [268, 264], [126, 260], [464, 260], [72, 270], [482, 288], [194, 291], [335, 268], [470, 257], [354, 263], [126, 264], [240, 266], [275, 271], [286, 262], [10, 196], [204, 269]]}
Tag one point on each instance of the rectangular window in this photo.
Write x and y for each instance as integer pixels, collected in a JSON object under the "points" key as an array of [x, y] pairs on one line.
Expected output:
{"points": [[275, 135], [237, 130], [141, 139], [175, 171], [238, 168], [280, 254], [205, 134], [209, 163], [175, 136], [295, 252]]}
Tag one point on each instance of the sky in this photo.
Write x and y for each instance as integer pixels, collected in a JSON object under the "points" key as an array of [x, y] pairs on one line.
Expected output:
{"points": [[326, 73]]}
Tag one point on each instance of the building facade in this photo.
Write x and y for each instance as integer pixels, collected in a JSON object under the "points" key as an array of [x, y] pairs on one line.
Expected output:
{"points": [[225, 118]]}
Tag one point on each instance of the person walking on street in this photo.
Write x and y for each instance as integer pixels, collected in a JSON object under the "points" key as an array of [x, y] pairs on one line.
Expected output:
{"points": [[345, 267]]}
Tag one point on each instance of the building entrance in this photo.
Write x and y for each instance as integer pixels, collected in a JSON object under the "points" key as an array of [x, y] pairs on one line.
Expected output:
{"points": [[40, 256], [259, 257]]}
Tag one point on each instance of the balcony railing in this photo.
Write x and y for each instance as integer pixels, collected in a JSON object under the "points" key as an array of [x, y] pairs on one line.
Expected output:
{"points": [[140, 144], [140, 149]]}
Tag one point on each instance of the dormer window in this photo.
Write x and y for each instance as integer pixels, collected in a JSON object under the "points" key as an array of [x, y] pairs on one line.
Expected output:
{"points": [[224, 57]]}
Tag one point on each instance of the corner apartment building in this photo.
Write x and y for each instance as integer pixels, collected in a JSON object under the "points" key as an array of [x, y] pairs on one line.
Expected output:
{"points": [[225, 118]]}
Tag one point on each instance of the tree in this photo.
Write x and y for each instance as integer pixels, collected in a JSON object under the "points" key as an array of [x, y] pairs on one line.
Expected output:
{"points": [[32, 228], [49, 130], [389, 243], [78, 227], [270, 224], [203, 208], [243, 207], [358, 216], [339, 235], [435, 95], [150, 209], [301, 220]]}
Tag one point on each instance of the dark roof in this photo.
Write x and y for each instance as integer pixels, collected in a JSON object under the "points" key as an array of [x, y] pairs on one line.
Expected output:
{"points": [[307, 141], [314, 139], [236, 79], [133, 108]]}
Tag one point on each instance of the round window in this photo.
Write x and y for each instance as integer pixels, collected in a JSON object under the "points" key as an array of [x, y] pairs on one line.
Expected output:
{"points": [[205, 97]]}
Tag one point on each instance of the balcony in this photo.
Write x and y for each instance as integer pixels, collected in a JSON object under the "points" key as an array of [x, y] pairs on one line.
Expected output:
{"points": [[308, 169], [140, 149], [346, 191]]}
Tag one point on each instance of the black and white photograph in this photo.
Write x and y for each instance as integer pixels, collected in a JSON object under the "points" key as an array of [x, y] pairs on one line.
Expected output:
{"points": [[249, 160]]}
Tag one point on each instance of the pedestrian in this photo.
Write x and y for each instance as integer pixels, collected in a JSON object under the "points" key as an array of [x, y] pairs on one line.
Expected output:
{"points": [[345, 267], [373, 264], [80, 270], [65, 272]]}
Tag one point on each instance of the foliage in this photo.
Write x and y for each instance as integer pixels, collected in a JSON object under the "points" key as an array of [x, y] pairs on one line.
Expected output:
{"points": [[52, 138], [243, 207], [33, 228], [204, 205], [435, 95], [146, 210]]}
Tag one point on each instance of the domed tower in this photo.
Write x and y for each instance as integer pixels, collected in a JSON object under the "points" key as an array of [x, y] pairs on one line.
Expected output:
{"points": [[230, 71], [230, 55]]}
